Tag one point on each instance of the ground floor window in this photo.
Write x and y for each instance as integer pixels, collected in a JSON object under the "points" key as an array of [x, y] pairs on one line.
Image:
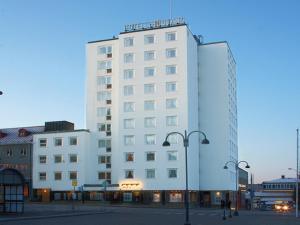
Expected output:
{"points": [[127, 197], [175, 197], [156, 197]]}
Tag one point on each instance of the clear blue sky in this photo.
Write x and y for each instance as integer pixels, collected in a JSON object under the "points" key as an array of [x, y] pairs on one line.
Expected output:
{"points": [[42, 63]]}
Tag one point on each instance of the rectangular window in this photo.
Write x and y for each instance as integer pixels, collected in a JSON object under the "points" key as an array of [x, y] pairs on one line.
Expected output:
{"points": [[149, 55], [150, 139], [171, 36], [129, 107], [129, 156], [73, 158], [43, 142], [104, 80], [170, 52], [129, 123], [101, 111], [149, 122], [57, 176], [128, 42], [9, 152], [58, 141], [149, 88], [103, 95], [129, 174], [129, 140], [171, 87], [171, 69], [73, 141], [43, 176], [150, 156], [149, 71], [128, 74], [101, 175], [149, 39], [128, 57], [104, 65], [149, 105], [103, 50], [57, 158], [172, 155], [171, 121], [128, 90], [43, 159], [172, 173], [73, 175], [102, 159], [104, 143], [150, 173], [23, 152], [171, 103]]}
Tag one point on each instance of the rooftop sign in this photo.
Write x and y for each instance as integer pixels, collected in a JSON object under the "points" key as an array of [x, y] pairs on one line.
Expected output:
{"points": [[154, 24]]}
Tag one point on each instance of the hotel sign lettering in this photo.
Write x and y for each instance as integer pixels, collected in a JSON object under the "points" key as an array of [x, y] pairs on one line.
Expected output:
{"points": [[154, 24]]}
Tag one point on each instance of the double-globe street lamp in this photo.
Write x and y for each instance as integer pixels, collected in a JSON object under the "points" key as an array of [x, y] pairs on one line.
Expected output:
{"points": [[185, 138], [236, 164]]}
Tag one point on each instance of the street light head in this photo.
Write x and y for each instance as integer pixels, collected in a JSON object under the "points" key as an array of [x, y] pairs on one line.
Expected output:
{"points": [[166, 144], [1, 93], [225, 167], [205, 141], [247, 166]]}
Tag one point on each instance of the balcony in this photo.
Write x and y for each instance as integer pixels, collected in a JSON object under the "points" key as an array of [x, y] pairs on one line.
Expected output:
{"points": [[108, 102], [108, 117], [109, 55], [108, 86]]}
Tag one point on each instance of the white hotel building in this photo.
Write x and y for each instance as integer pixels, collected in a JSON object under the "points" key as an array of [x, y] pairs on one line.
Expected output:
{"points": [[152, 79]]}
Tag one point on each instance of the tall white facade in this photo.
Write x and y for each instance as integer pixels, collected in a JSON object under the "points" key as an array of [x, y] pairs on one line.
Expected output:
{"points": [[147, 82]]}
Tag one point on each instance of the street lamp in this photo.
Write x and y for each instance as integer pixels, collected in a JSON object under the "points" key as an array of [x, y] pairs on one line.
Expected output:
{"points": [[236, 164], [185, 138], [1, 93]]}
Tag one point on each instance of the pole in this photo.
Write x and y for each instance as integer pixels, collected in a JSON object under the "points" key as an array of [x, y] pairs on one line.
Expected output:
{"points": [[297, 174], [236, 213], [185, 142], [73, 198]]}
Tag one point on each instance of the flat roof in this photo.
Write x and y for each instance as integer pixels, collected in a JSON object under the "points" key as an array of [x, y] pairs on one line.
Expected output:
{"points": [[64, 131]]}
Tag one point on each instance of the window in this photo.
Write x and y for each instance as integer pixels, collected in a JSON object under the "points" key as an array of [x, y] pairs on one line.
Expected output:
{"points": [[170, 52], [104, 65], [73, 140], [150, 156], [73, 158], [129, 156], [149, 88], [171, 103], [149, 55], [104, 80], [104, 143], [104, 159], [149, 122], [150, 139], [172, 155], [42, 176], [171, 86], [23, 152], [129, 123], [149, 105], [149, 71], [128, 74], [58, 141], [128, 57], [128, 90], [127, 197], [58, 159], [103, 50], [171, 121], [9, 152], [172, 173], [73, 175], [103, 95], [101, 111], [171, 69], [129, 140], [104, 176], [43, 159], [128, 42], [150, 173], [170, 36], [128, 106], [43, 142], [149, 39], [129, 174], [57, 175]]}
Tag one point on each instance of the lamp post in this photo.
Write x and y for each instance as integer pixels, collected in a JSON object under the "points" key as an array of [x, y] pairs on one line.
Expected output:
{"points": [[236, 164], [185, 138]]}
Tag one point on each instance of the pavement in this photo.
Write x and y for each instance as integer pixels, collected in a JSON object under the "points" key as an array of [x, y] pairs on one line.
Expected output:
{"points": [[99, 214]]}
